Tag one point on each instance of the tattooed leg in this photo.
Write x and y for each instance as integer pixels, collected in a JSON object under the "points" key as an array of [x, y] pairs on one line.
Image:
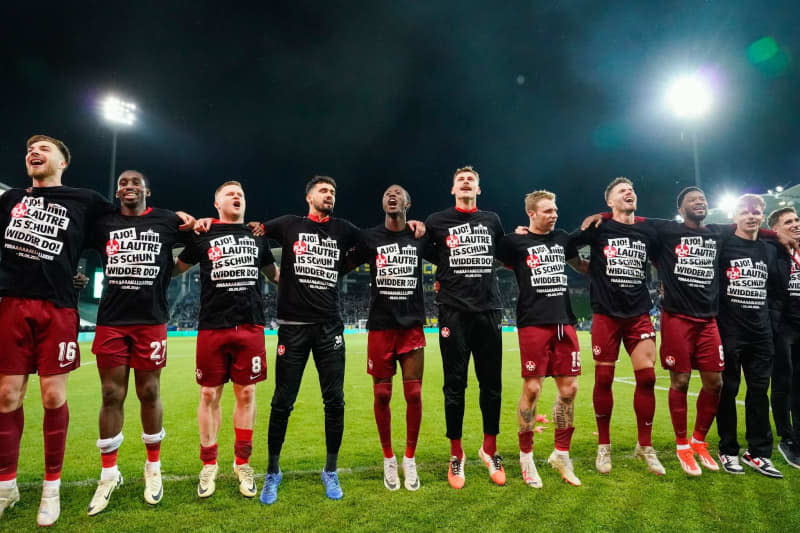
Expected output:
{"points": [[526, 409]]}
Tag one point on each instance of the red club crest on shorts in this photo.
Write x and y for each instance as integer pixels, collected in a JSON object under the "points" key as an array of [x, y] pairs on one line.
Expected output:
{"points": [[281, 349], [214, 253], [610, 251], [445, 332], [533, 261], [669, 360], [19, 210], [380, 261], [596, 350], [112, 247], [530, 366], [369, 363], [452, 241], [682, 250], [299, 248], [198, 373], [733, 273]]}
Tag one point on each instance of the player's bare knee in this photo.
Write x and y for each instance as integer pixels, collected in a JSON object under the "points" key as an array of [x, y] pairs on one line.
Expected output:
{"points": [[246, 396], [680, 381], [11, 397], [567, 391], [531, 389], [148, 393], [113, 394], [712, 382], [209, 396], [53, 398]]}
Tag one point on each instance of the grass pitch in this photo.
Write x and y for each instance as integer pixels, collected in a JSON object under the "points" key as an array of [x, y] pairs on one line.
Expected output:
{"points": [[628, 499]]}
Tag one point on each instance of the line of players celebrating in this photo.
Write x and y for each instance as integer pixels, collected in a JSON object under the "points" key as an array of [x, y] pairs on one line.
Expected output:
{"points": [[735, 279]]}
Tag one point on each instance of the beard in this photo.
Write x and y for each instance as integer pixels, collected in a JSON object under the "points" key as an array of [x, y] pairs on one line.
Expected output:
{"points": [[323, 208]]}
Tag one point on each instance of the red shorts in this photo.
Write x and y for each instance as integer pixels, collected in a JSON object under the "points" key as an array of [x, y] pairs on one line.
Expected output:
{"points": [[549, 351], [140, 347], [385, 346], [36, 336], [238, 354], [690, 343], [608, 331]]}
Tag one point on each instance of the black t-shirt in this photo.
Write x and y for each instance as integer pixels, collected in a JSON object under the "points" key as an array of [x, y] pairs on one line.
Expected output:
{"points": [[618, 267], [137, 263], [311, 260], [539, 263], [396, 299], [462, 245], [745, 267], [231, 287], [43, 236]]}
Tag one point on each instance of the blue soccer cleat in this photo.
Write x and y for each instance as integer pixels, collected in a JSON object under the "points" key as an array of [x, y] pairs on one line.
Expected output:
{"points": [[269, 493], [332, 488]]}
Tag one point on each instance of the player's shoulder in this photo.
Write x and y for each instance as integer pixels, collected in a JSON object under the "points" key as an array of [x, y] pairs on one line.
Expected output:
{"points": [[343, 222]]}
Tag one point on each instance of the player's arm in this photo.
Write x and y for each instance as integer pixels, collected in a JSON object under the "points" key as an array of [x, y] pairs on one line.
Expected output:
{"points": [[79, 281], [267, 263], [418, 227], [573, 258], [187, 258], [271, 272], [180, 267], [187, 221]]}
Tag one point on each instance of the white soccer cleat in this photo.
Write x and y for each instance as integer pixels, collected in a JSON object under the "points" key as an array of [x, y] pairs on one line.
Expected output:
{"points": [[247, 479], [8, 498], [207, 484], [563, 464], [410, 473], [49, 507], [390, 480], [529, 472], [153, 488], [648, 454], [102, 495], [603, 461]]}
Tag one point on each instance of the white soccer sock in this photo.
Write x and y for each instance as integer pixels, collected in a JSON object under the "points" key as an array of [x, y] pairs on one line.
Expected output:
{"points": [[153, 466], [695, 441], [391, 459], [683, 446], [562, 453], [525, 455], [56, 483], [109, 473]]}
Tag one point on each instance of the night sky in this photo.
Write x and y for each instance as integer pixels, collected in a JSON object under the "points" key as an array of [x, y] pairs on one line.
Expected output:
{"points": [[563, 95]]}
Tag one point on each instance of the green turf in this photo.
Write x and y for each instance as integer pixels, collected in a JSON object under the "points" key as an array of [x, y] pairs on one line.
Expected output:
{"points": [[628, 499]]}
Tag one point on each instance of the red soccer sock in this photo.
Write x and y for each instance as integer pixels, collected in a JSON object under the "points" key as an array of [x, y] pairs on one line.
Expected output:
{"points": [[54, 427], [490, 444], [563, 438], [153, 451], [11, 425], [208, 454], [677, 412], [603, 400], [383, 416], [525, 441], [644, 404], [413, 393], [455, 448], [109, 460], [243, 446], [707, 404]]}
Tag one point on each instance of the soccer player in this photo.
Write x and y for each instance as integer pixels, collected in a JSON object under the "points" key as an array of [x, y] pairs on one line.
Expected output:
{"points": [[43, 235], [748, 264], [230, 337], [135, 245], [463, 243], [621, 303], [546, 328], [396, 316], [786, 370]]}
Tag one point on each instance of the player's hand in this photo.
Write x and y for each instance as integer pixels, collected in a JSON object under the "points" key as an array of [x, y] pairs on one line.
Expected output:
{"points": [[521, 230], [202, 225], [187, 221], [257, 228], [80, 281], [418, 227], [591, 220]]}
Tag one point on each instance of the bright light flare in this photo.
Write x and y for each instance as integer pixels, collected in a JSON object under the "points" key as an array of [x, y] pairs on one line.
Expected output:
{"points": [[689, 97], [728, 204], [119, 111]]}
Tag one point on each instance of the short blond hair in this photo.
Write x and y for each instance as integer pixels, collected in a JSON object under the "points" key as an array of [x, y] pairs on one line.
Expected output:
{"points": [[231, 182], [749, 200], [532, 199], [468, 168]]}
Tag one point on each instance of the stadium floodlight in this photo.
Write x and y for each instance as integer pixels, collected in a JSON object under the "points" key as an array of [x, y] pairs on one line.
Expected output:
{"points": [[118, 113], [728, 203], [779, 189], [690, 98]]}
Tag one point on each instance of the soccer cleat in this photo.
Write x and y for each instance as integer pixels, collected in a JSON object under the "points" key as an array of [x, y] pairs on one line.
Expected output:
{"points": [[410, 474], [563, 464], [247, 482], [455, 474], [390, 480], [153, 488], [789, 450], [49, 507], [207, 483], [701, 449], [529, 472], [762, 465], [269, 492], [8, 498], [102, 495], [648, 454], [495, 466], [689, 465], [603, 460], [332, 488], [730, 464]]}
